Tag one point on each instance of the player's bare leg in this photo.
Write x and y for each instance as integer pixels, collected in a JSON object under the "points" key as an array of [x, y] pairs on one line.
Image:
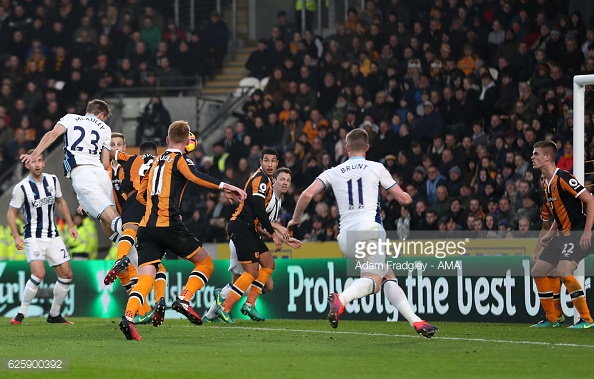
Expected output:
{"points": [[111, 222]]}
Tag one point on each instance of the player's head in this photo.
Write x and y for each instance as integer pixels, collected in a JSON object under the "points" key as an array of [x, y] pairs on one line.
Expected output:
{"points": [[118, 142], [148, 147], [36, 167], [179, 132], [282, 177], [99, 108], [357, 141], [545, 152], [269, 160]]}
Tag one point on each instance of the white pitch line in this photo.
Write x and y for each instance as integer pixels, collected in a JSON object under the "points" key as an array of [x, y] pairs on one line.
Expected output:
{"points": [[411, 336]]}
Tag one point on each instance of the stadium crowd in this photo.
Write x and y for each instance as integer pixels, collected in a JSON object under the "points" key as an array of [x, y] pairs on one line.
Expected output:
{"points": [[452, 93], [453, 97], [57, 54]]}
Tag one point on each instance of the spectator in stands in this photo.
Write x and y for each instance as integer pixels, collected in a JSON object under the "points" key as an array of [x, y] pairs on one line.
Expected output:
{"points": [[216, 35], [18, 145], [286, 27], [169, 76], [434, 180], [566, 161], [198, 224], [6, 133], [200, 55], [153, 123], [258, 63]]}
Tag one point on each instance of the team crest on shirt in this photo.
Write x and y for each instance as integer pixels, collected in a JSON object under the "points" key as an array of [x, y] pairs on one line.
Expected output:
{"points": [[553, 188]]}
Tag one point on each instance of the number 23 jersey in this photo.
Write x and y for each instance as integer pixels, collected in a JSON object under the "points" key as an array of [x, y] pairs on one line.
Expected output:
{"points": [[84, 139]]}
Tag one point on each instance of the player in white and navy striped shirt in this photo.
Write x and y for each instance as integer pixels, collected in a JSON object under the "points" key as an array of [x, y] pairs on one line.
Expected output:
{"points": [[38, 195]]}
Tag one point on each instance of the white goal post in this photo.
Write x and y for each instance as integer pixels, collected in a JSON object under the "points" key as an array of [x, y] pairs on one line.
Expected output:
{"points": [[579, 100]]}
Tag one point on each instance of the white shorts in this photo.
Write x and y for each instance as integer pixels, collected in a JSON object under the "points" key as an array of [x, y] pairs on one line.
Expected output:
{"points": [[51, 249], [353, 244], [93, 189], [234, 265]]}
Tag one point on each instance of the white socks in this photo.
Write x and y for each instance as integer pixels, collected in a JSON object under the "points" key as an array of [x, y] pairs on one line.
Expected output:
{"points": [[213, 307], [60, 291], [29, 293], [360, 288], [398, 299]]}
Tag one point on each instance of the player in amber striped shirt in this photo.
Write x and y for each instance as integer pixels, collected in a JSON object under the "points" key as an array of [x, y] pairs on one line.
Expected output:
{"points": [[252, 252], [162, 229], [566, 198]]}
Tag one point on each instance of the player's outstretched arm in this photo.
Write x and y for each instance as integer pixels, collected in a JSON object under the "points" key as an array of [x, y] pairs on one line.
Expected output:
{"points": [[11, 218], [283, 232], [294, 243], [303, 202], [402, 197], [233, 194], [46, 140]]}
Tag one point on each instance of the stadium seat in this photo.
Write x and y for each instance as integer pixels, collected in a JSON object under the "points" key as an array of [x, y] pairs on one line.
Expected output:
{"points": [[247, 84]]}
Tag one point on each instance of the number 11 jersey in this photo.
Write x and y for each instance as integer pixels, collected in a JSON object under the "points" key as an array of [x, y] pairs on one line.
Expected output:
{"points": [[356, 187]]}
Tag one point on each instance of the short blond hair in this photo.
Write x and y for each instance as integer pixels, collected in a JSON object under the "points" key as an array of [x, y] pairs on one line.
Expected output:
{"points": [[118, 135], [179, 131], [357, 140]]}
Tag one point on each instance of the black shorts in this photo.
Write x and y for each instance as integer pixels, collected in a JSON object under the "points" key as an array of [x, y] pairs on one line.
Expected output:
{"points": [[132, 211], [248, 243], [565, 248], [152, 242]]}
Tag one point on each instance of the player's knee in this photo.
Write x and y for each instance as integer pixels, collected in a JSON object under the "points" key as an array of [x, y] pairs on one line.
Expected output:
{"points": [[66, 275], [268, 262], [253, 271], [38, 274], [537, 272], [377, 283]]}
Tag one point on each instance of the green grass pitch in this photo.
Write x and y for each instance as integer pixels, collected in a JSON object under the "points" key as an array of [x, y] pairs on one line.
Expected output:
{"points": [[95, 348]]}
